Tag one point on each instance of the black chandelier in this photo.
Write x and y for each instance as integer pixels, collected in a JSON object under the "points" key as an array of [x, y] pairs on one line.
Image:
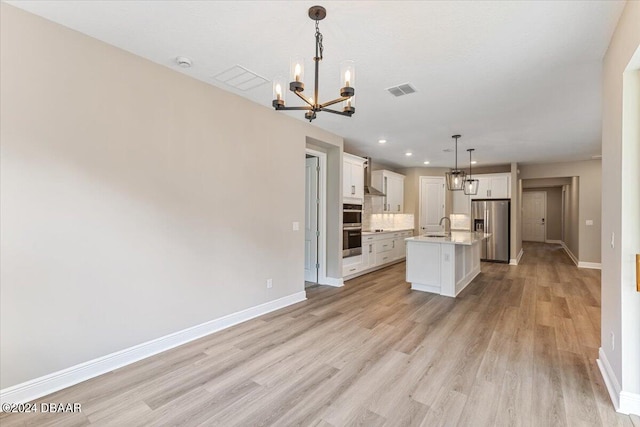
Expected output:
{"points": [[296, 85]]}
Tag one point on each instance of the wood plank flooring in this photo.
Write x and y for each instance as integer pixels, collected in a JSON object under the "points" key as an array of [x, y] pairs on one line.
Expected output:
{"points": [[517, 347]]}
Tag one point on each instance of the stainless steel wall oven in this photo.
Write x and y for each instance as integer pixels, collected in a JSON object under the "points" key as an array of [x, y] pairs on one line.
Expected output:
{"points": [[351, 230]]}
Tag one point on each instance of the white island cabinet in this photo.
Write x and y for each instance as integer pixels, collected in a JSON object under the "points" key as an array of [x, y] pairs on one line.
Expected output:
{"points": [[443, 265]]}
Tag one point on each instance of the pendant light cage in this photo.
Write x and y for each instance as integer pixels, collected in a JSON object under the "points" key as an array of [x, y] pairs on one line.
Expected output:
{"points": [[470, 184], [456, 177]]}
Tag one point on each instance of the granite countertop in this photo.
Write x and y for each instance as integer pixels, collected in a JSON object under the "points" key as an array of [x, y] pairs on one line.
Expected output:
{"points": [[456, 238], [386, 230]]}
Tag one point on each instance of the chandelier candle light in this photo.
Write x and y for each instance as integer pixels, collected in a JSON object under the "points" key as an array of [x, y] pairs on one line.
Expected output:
{"points": [[470, 184], [455, 177], [296, 84]]}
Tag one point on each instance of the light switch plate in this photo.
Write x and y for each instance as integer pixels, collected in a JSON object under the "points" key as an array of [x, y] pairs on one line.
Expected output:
{"points": [[296, 226], [589, 222]]}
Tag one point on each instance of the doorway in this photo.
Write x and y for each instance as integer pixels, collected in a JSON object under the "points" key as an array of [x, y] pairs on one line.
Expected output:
{"points": [[534, 212], [431, 203], [315, 218]]}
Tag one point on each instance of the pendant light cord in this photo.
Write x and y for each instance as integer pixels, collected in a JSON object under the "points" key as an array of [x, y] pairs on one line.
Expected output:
{"points": [[456, 153]]}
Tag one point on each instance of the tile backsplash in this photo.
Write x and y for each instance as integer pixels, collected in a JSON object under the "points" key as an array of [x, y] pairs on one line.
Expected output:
{"points": [[387, 221], [373, 221]]}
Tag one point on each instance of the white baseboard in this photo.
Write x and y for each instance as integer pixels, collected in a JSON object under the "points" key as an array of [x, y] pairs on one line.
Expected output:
{"points": [[555, 242], [333, 281], [568, 251], [425, 288], [629, 403], [610, 380], [623, 401], [516, 261], [594, 265], [55, 381]]}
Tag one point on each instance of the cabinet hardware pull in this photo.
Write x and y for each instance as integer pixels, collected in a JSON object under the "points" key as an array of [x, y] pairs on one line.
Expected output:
{"points": [[353, 269], [353, 189]]}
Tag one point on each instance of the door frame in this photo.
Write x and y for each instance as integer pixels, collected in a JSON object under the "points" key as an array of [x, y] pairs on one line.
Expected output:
{"points": [[322, 215], [444, 198], [546, 219]]}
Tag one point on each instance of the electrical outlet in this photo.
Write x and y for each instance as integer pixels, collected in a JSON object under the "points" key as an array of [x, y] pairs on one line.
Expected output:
{"points": [[296, 226], [589, 222], [613, 341], [269, 283]]}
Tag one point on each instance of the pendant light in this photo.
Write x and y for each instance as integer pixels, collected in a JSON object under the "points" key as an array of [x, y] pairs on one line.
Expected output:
{"points": [[470, 184], [455, 177]]}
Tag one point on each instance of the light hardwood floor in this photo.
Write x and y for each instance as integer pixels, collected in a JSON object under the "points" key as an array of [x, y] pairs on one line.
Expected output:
{"points": [[517, 347]]}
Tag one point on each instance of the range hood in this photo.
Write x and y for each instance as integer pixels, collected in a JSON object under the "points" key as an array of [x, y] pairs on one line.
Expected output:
{"points": [[369, 190]]}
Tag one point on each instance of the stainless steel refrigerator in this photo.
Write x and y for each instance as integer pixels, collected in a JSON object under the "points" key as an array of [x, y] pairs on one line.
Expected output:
{"points": [[493, 216]]}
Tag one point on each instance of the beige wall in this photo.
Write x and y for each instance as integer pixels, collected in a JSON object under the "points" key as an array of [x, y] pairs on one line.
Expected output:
{"points": [[587, 177], [554, 211], [620, 210], [135, 201], [546, 182]]}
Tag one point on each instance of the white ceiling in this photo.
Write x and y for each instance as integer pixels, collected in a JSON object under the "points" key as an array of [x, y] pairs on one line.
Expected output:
{"points": [[520, 80]]}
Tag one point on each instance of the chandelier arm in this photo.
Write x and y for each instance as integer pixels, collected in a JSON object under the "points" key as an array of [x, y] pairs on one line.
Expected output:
{"points": [[342, 113], [335, 101], [304, 98], [306, 108]]}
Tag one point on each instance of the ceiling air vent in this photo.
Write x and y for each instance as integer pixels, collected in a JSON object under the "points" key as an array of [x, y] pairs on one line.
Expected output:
{"points": [[400, 90], [240, 78]]}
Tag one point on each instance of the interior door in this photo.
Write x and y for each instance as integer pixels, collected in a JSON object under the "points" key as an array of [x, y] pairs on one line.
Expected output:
{"points": [[311, 229], [534, 211], [431, 203]]}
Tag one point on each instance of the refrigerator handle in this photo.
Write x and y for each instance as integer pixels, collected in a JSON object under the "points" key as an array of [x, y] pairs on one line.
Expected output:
{"points": [[486, 221]]}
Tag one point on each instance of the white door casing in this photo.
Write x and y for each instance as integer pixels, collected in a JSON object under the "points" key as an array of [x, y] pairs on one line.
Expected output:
{"points": [[534, 213], [311, 229], [431, 203]]}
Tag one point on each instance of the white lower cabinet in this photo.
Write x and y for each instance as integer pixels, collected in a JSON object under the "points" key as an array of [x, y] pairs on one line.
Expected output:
{"points": [[351, 265], [378, 250]]}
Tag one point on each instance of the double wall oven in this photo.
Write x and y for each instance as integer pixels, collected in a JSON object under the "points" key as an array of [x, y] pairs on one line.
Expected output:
{"points": [[351, 229]]}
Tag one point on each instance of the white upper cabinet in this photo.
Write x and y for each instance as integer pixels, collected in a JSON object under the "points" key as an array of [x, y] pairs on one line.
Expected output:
{"points": [[500, 188], [392, 185], [353, 177], [492, 186]]}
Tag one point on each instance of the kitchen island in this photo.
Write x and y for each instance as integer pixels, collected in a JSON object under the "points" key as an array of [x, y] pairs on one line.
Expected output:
{"points": [[443, 264]]}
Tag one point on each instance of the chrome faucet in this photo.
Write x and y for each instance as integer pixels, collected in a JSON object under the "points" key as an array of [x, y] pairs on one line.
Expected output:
{"points": [[445, 227]]}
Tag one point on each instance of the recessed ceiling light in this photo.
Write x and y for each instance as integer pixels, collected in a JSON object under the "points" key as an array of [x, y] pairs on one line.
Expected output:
{"points": [[426, 163], [382, 141], [408, 154], [474, 162], [183, 61]]}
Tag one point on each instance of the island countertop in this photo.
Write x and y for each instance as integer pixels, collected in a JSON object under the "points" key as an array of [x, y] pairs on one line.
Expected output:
{"points": [[455, 238]]}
